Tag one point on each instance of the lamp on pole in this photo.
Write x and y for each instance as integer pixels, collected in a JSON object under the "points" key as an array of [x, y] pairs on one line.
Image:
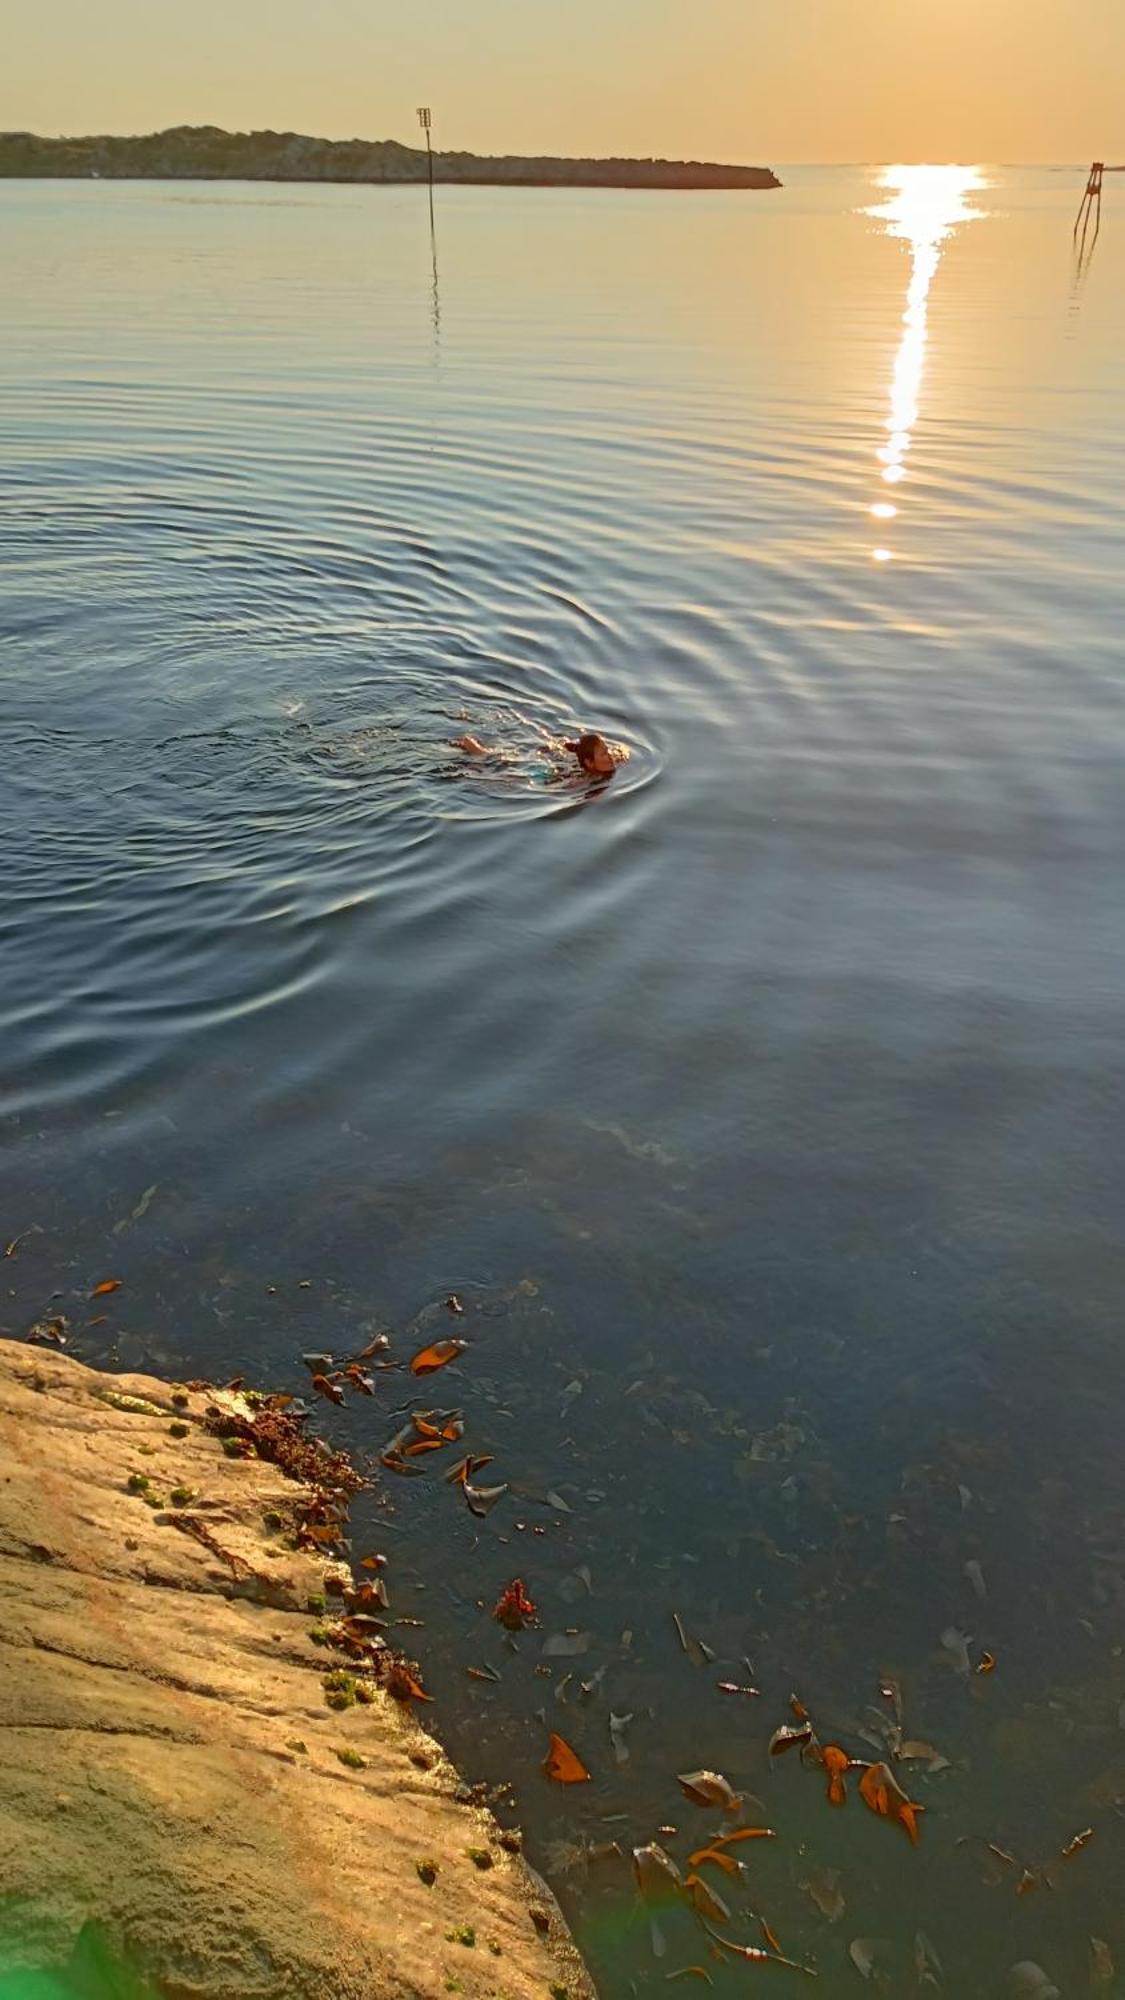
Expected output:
{"points": [[424, 122]]}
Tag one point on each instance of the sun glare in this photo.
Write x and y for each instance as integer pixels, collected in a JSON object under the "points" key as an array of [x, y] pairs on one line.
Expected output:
{"points": [[924, 206]]}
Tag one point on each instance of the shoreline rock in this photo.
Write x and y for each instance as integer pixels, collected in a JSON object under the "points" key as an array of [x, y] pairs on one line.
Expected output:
{"points": [[176, 1795]]}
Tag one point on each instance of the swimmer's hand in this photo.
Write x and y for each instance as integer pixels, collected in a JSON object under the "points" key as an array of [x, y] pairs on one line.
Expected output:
{"points": [[472, 746]]}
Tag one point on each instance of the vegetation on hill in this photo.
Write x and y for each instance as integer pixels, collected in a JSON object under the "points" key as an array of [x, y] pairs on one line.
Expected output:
{"points": [[204, 152]]}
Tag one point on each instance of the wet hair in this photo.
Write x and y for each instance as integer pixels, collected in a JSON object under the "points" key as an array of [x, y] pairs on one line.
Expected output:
{"points": [[586, 748]]}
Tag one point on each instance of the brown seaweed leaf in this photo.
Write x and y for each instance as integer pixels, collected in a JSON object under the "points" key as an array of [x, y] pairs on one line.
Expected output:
{"points": [[439, 1354], [709, 1788], [866, 1953], [706, 1901], [378, 1345], [880, 1790], [467, 1468], [788, 1737], [563, 1764], [324, 1387], [107, 1285], [1076, 1844], [480, 1500], [403, 1684], [835, 1762]]}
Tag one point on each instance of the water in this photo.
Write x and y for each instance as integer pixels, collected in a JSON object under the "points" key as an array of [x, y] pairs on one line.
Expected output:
{"points": [[764, 1109]]}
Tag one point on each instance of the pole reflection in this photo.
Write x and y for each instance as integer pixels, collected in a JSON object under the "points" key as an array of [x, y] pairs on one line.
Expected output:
{"points": [[924, 206]]}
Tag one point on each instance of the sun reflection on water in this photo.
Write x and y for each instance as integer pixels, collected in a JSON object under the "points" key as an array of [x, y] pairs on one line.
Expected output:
{"points": [[925, 205]]}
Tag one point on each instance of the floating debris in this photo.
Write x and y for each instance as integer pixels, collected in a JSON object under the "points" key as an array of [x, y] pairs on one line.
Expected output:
{"points": [[439, 1354], [754, 1954], [1101, 1963], [49, 1332], [137, 1213], [617, 1727], [659, 1883], [927, 1964], [975, 1575], [881, 1792], [514, 1607], [106, 1286], [699, 1654], [706, 1901], [12, 1248], [823, 1885], [789, 1737], [709, 1788], [835, 1762], [956, 1645], [866, 1953], [563, 1764], [480, 1500], [327, 1388]]}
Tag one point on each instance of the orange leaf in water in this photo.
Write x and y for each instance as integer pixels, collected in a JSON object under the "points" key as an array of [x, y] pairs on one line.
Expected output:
{"points": [[880, 1790], [324, 1387], [429, 1359], [107, 1285], [799, 1709], [713, 1854], [421, 1445], [373, 1562], [744, 1833], [404, 1686], [564, 1765], [705, 1900], [835, 1762], [768, 1936], [986, 1664]]}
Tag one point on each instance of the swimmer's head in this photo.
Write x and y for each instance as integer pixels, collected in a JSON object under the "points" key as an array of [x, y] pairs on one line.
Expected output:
{"points": [[594, 754]]}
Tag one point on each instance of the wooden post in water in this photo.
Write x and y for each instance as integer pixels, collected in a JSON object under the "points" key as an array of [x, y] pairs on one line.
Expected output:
{"points": [[424, 122], [1091, 203]]}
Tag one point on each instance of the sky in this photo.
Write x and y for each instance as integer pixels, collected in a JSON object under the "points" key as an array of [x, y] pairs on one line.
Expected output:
{"points": [[760, 81]]}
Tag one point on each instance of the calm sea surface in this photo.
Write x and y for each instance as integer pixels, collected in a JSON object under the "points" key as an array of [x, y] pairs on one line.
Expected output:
{"points": [[765, 1109]]}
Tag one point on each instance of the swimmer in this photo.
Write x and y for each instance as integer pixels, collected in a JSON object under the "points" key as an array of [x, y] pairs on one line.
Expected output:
{"points": [[596, 757]]}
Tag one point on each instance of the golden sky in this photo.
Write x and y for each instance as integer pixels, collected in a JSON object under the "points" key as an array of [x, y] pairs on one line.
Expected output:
{"points": [[753, 80]]}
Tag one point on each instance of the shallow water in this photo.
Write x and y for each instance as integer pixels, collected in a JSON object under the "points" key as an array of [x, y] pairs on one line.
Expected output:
{"points": [[764, 1107]]}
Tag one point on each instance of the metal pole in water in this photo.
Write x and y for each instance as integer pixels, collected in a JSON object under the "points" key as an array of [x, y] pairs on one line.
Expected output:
{"points": [[424, 122]]}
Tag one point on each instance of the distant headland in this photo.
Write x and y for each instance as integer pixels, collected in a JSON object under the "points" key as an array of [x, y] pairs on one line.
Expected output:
{"points": [[204, 152]]}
